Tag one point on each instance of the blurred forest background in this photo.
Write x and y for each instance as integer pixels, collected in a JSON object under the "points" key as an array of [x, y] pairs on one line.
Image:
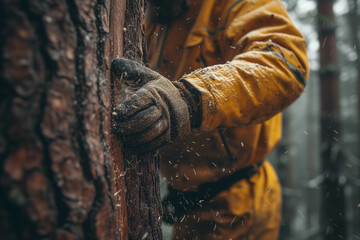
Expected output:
{"points": [[300, 159]]}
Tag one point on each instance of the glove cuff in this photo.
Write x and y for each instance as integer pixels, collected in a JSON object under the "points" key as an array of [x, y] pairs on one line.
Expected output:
{"points": [[192, 98]]}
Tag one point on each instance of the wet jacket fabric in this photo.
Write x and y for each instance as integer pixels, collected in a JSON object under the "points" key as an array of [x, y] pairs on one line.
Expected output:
{"points": [[247, 62], [249, 209]]}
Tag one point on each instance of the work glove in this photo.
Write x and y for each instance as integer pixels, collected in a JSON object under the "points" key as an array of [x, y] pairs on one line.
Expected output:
{"points": [[154, 114]]}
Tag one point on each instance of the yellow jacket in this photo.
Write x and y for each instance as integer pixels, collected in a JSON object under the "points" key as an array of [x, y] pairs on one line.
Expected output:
{"points": [[248, 61], [257, 67]]}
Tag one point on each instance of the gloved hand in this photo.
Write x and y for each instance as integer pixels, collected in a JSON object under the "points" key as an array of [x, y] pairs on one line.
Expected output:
{"points": [[154, 114]]}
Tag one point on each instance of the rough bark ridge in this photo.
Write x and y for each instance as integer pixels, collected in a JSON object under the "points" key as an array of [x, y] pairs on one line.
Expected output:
{"points": [[140, 171], [55, 176]]}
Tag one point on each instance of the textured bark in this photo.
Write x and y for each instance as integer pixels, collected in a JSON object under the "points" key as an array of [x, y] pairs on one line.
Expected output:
{"points": [[332, 217], [60, 166], [141, 179], [139, 172]]}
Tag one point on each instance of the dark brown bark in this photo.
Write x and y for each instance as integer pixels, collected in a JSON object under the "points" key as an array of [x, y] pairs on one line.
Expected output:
{"points": [[61, 169], [332, 217], [139, 171]]}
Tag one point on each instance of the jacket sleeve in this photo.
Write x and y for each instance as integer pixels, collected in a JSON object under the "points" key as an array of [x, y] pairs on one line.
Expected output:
{"points": [[267, 71]]}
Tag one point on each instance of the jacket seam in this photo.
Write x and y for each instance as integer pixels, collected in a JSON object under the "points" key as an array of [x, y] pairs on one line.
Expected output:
{"points": [[299, 75]]}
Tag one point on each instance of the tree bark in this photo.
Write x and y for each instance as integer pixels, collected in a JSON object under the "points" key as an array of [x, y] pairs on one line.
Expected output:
{"points": [[62, 172], [139, 171], [332, 217]]}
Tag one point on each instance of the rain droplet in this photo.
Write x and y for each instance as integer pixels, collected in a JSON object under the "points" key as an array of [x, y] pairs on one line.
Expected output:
{"points": [[145, 235], [232, 221]]}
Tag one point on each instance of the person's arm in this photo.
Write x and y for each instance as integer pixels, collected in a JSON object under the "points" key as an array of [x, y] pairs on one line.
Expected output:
{"points": [[268, 71]]}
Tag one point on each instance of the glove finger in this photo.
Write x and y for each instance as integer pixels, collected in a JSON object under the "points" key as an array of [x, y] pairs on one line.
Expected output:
{"points": [[149, 134], [140, 121], [135, 103], [133, 71], [154, 144]]}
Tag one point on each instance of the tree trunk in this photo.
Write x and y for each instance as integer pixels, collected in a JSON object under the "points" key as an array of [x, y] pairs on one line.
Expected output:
{"points": [[284, 166], [62, 172], [354, 29], [332, 217], [140, 171]]}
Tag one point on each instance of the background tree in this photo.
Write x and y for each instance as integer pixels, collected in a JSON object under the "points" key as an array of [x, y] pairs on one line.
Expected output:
{"points": [[353, 18], [304, 120], [332, 217]]}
